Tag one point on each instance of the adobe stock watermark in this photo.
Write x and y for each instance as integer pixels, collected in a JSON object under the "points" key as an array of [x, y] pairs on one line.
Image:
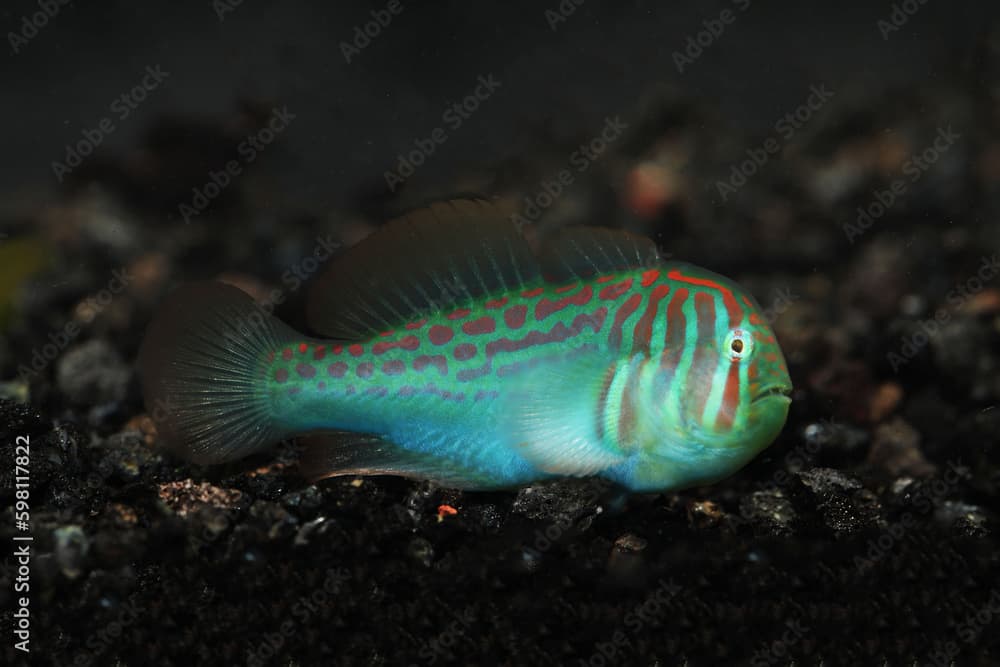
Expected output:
{"points": [[248, 149], [712, 29], [301, 611], [579, 161], [122, 107], [912, 170], [619, 644], [453, 118], [969, 630], [956, 297], [776, 652], [32, 24], [561, 13], [292, 278], [785, 127], [43, 355], [99, 642], [924, 503], [442, 646], [901, 13], [781, 299], [366, 33]]}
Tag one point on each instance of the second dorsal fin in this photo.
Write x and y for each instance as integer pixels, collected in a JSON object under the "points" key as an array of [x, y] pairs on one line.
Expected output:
{"points": [[431, 259], [574, 253]]}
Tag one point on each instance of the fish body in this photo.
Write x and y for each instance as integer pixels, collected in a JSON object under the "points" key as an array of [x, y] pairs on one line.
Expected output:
{"points": [[593, 357]]}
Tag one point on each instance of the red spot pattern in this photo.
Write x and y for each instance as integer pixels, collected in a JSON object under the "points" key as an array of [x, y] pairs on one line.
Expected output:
{"points": [[514, 316], [395, 367], [493, 304], [405, 343], [483, 325], [606, 279], [465, 351], [459, 314], [416, 325], [356, 350], [281, 375], [319, 352], [286, 354], [559, 333], [439, 335], [530, 294], [545, 307], [337, 369], [305, 370], [616, 290], [650, 277], [365, 369], [303, 348], [566, 288], [436, 360]]}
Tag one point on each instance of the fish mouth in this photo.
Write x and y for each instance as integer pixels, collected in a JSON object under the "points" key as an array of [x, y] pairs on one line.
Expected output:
{"points": [[782, 391]]}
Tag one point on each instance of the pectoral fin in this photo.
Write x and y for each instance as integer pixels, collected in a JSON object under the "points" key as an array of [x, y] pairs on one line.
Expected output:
{"points": [[553, 412]]}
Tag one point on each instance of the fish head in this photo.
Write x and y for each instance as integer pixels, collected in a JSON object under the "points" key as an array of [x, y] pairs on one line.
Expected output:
{"points": [[723, 389]]}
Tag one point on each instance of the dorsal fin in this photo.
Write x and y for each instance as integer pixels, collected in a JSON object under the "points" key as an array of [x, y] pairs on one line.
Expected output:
{"points": [[435, 258], [574, 253]]}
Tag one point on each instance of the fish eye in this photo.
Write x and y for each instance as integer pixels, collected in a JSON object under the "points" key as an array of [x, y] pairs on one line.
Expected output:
{"points": [[739, 344]]}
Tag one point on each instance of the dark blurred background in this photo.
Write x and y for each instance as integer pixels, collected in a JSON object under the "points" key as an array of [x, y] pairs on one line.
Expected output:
{"points": [[840, 160], [353, 119]]}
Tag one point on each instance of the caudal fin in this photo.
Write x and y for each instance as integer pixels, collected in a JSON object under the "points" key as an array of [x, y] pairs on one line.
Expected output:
{"points": [[202, 366]]}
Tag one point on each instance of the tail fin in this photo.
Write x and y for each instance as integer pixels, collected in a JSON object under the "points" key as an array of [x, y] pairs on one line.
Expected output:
{"points": [[202, 367]]}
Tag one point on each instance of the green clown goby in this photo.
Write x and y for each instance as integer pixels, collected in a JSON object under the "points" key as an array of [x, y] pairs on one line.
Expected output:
{"points": [[451, 349]]}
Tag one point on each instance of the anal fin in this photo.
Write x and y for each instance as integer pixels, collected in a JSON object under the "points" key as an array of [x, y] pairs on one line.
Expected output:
{"points": [[339, 454]]}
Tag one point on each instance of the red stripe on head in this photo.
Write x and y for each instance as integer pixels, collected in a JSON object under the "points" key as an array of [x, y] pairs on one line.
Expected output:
{"points": [[602, 400], [704, 362], [732, 306], [622, 314], [644, 328], [626, 414], [616, 290], [730, 399], [676, 333]]}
